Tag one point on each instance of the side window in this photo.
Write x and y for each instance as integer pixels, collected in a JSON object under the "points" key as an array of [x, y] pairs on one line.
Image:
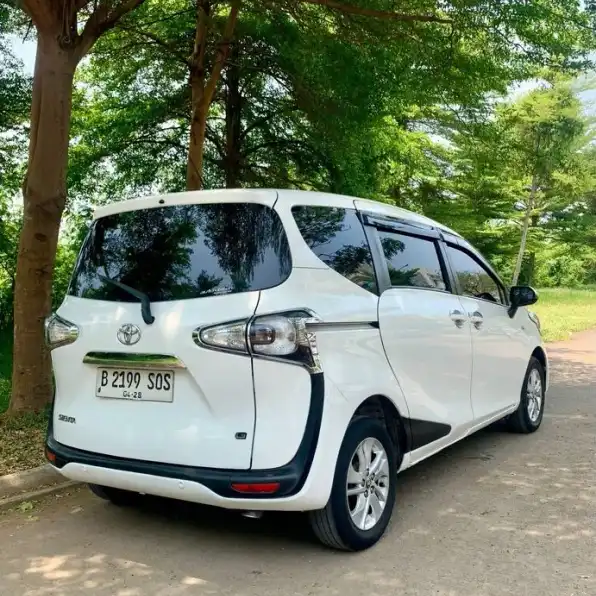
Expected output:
{"points": [[412, 261], [473, 278], [337, 237]]}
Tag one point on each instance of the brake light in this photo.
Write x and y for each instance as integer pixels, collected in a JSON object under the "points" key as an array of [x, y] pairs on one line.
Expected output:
{"points": [[59, 332], [282, 336]]}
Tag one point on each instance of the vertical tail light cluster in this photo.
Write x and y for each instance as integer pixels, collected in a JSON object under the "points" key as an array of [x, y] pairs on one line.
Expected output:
{"points": [[283, 336]]}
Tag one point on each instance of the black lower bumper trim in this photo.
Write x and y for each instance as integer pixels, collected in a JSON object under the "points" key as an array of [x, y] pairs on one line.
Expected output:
{"points": [[291, 477]]}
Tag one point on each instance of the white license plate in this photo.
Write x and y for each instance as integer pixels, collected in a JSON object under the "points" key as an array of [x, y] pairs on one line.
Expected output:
{"points": [[138, 385]]}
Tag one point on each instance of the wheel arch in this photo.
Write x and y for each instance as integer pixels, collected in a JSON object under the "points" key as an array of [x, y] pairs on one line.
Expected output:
{"points": [[384, 409], [541, 356]]}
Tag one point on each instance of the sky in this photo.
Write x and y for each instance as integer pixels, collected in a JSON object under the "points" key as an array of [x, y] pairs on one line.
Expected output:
{"points": [[25, 51]]}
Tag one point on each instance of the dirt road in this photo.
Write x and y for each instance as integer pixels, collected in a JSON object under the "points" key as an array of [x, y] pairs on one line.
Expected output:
{"points": [[496, 514]]}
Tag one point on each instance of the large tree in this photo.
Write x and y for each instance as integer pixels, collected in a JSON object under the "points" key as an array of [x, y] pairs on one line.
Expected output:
{"points": [[521, 181], [65, 30], [335, 69], [499, 41], [545, 131]]}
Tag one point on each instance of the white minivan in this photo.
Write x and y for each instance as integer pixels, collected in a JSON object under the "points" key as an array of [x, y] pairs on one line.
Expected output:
{"points": [[265, 350]]}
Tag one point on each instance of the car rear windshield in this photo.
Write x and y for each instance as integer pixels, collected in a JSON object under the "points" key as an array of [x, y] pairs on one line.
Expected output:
{"points": [[182, 252]]}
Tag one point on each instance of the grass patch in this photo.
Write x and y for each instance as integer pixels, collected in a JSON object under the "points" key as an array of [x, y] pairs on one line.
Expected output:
{"points": [[21, 437], [21, 442], [563, 311]]}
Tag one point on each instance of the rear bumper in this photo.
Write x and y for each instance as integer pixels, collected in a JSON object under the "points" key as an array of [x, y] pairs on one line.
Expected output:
{"points": [[201, 485], [184, 490]]}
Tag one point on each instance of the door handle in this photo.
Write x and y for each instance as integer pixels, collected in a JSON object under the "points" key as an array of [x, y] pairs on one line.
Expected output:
{"points": [[458, 317], [477, 319]]}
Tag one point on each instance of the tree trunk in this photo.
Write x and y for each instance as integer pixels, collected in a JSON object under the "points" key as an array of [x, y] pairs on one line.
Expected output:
{"points": [[44, 198], [198, 129], [531, 268], [525, 228], [233, 160], [203, 89]]}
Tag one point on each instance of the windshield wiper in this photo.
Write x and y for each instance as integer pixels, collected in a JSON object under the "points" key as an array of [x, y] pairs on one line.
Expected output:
{"points": [[145, 302]]}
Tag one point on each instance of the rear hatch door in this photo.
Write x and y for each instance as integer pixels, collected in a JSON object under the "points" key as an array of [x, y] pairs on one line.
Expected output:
{"points": [[147, 391]]}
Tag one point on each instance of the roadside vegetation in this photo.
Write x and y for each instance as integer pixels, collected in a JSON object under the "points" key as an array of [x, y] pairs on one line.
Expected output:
{"points": [[564, 311], [21, 442], [21, 437]]}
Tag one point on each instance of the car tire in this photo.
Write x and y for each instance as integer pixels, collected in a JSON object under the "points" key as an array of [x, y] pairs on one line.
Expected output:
{"points": [[116, 496], [357, 521], [528, 416]]}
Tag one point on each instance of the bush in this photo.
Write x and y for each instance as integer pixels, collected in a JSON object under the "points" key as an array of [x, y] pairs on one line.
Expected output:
{"points": [[565, 266]]}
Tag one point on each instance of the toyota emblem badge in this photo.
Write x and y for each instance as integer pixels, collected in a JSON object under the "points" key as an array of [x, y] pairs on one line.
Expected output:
{"points": [[129, 334]]}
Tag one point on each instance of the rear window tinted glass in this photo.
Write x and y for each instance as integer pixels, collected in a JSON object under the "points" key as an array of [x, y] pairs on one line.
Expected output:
{"points": [[412, 261], [337, 237], [182, 252]]}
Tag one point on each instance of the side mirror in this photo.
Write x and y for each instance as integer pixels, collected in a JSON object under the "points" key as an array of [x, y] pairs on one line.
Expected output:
{"points": [[521, 296]]}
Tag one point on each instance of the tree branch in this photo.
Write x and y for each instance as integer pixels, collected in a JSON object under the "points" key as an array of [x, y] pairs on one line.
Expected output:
{"points": [[257, 124], [224, 47], [377, 14], [172, 49], [103, 18], [275, 143], [197, 60], [80, 4], [211, 135], [42, 14]]}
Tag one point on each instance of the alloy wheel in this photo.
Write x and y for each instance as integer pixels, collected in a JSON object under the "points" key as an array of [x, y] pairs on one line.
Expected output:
{"points": [[367, 486], [534, 395]]}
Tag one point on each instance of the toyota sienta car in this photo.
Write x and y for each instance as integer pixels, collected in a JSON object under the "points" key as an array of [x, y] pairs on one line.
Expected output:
{"points": [[265, 350]]}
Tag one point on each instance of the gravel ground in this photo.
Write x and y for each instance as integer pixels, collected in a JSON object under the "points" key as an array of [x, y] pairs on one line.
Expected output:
{"points": [[496, 514]]}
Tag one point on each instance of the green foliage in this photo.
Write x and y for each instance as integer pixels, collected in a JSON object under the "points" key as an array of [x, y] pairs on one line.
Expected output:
{"points": [[324, 99], [541, 141], [5, 366], [9, 235], [15, 93], [560, 265], [65, 261]]}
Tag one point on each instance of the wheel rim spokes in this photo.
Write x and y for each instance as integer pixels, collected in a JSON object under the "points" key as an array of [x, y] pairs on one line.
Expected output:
{"points": [[534, 395], [367, 484]]}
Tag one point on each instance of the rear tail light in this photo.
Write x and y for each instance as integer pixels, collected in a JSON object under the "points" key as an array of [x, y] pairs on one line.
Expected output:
{"points": [[282, 336], [59, 332], [273, 336], [231, 336]]}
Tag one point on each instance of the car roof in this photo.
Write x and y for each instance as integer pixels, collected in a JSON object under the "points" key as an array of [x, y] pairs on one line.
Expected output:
{"points": [[268, 197]]}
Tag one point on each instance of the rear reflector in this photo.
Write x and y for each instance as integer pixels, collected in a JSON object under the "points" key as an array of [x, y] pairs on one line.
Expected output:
{"points": [[261, 488], [50, 456]]}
